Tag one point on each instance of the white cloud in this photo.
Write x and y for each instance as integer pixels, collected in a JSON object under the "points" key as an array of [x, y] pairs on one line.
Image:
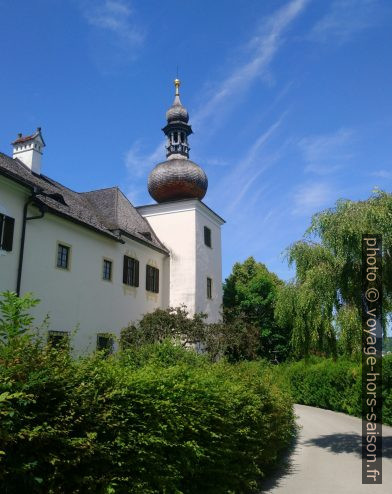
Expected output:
{"points": [[344, 19], [264, 47], [382, 174], [309, 198], [244, 174], [327, 153], [115, 21], [138, 162]]}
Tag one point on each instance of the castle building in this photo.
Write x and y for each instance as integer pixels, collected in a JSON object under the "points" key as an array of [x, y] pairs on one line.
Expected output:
{"points": [[94, 260]]}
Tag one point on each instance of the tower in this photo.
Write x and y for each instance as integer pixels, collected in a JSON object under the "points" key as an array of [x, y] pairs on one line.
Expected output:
{"points": [[188, 228]]}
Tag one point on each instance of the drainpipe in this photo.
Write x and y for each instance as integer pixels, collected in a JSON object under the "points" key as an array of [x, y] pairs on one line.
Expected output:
{"points": [[29, 201]]}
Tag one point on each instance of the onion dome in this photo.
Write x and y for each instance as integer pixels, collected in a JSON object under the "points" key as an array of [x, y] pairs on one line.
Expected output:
{"points": [[178, 177]]}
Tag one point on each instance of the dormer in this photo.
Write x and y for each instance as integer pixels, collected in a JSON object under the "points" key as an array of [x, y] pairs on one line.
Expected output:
{"points": [[29, 149]]}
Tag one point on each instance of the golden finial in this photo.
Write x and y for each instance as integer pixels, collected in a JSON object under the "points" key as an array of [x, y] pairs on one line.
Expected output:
{"points": [[177, 85]]}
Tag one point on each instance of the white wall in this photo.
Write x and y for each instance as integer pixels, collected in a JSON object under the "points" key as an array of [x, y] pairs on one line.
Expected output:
{"points": [[12, 200], [78, 297], [180, 226], [208, 264]]}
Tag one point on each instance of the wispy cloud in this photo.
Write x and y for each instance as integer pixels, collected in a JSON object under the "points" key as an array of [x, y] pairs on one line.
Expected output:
{"points": [[344, 19], [327, 153], [243, 175], [263, 47], [386, 174], [312, 196], [138, 162], [114, 20]]}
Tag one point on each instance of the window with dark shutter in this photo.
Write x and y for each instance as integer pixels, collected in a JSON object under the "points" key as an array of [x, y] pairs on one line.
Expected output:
{"points": [[6, 232], [152, 279], [131, 271], [207, 236]]}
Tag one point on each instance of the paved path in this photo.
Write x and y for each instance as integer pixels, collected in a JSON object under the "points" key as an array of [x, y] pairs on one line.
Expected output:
{"points": [[327, 457]]}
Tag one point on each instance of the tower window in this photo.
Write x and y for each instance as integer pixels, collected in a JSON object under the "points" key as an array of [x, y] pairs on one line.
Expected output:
{"points": [[152, 279], [207, 236], [209, 288], [175, 136], [107, 270], [63, 252], [182, 137], [6, 232], [131, 271]]}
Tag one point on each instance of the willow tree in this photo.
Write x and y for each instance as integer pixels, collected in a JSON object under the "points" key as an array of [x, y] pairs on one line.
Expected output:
{"points": [[323, 303]]}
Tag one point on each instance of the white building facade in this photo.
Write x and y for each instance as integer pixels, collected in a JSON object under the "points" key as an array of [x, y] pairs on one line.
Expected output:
{"points": [[96, 262]]}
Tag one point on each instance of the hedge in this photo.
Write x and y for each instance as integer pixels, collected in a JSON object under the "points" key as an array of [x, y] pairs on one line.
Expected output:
{"points": [[159, 419], [333, 384]]}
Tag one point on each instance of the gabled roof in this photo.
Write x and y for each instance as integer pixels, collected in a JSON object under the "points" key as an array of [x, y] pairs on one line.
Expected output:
{"points": [[106, 211], [22, 138]]}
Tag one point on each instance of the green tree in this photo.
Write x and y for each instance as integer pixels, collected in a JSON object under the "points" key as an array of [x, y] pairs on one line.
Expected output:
{"points": [[323, 303], [249, 294]]}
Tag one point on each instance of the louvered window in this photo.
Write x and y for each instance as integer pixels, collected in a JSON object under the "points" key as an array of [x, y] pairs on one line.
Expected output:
{"points": [[152, 279], [131, 271], [209, 288], [6, 232], [207, 236]]}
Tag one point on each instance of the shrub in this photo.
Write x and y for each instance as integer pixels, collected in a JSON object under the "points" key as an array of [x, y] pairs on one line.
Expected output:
{"points": [[235, 337], [152, 419], [334, 384]]}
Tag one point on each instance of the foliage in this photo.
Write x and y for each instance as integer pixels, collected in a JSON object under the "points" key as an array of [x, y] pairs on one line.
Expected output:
{"points": [[333, 384], [249, 299], [15, 319], [323, 303], [152, 419], [162, 324], [235, 338]]}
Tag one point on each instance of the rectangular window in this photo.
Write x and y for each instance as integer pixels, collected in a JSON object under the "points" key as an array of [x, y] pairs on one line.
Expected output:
{"points": [[6, 232], [107, 270], [209, 288], [58, 339], [131, 271], [105, 342], [152, 279], [207, 236], [63, 256]]}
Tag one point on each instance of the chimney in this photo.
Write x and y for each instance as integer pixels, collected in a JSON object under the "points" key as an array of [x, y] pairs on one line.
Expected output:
{"points": [[29, 149]]}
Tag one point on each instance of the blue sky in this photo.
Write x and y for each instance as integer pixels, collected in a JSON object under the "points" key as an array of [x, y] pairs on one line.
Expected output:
{"points": [[290, 102]]}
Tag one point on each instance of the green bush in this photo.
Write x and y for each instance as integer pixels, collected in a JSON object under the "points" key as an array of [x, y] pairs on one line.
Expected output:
{"points": [[333, 384], [158, 419], [234, 337]]}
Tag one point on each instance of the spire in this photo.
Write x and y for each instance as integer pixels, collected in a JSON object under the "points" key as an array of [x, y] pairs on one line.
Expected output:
{"points": [[177, 129], [178, 177]]}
